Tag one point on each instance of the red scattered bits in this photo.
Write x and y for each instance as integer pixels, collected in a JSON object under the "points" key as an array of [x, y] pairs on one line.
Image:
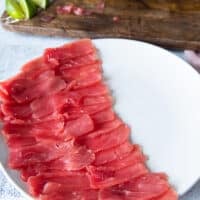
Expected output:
{"points": [[78, 11], [59, 10], [68, 8], [115, 19]]}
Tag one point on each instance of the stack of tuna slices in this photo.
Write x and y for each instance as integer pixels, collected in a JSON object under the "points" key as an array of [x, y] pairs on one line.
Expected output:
{"points": [[64, 137]]}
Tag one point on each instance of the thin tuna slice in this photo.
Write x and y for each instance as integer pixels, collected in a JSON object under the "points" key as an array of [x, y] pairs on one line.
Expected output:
{"points": [[88, 101], [131, 158], [79, 62], [16, 141], [169, 195], [62, 54], [74, 73], [25, 90], [114, 153], [146, 187], [1, 114], [102, 177], [107, 141], [4, 97], [104, 116], [86, 80], [78, 127], [68, 195], [94, 90], [104, 128], [93, 109], [75, 112], [71, 180], [49, 128], [48, 105], [73, 156], [34, 68], [16, 111], [53, 187]]}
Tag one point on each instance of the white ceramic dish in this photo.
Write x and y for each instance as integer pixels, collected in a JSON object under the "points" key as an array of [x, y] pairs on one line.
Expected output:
{"points": [[157, 94]]}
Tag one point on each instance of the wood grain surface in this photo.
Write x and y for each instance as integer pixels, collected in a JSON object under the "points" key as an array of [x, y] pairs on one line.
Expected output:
{"points": [[164, 22]]}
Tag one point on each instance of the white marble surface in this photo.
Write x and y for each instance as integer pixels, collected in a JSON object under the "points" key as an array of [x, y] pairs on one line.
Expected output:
{"points": [[7, 192]]}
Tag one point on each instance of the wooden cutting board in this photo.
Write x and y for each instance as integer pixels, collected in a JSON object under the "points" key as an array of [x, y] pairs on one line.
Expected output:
{"points": [[142, 20]]}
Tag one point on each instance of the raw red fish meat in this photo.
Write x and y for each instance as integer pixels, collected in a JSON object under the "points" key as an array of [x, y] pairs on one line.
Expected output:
{"points": [[16, 141], [72, 181], [64, 136], [88, 101], [16, 111], [131, 158], [74, 156], [25, 90], [102, 177], [69, 195], [107, 141], [104, 128], [62, 54], [112, 154], [83, 125], [50, 127], [169, 195], [1, 114], [94, 90], [146, 187], [103, 116], [70, 74]]}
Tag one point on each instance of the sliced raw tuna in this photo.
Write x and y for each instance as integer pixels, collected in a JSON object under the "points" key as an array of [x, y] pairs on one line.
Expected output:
{"points": [[146, 187], [1, 114], [131, 158], [64, 136], [53, 187], [34, 68], [101, 129], [74, 157], [16, 141], [4, 98], [34, 170], [18, 111], [88, 101], [21, 157], [169, 195], [45, 106], [93, 109], [71, 180], [107, 141], [102, 177], [77, 160], [95, 90], [104, 116], [114, 153], [75, 112], [47, 128], [80, 61], [72, 73], [78, 127], [62, 54], [87, 80], [25, 90], [69, 195]]}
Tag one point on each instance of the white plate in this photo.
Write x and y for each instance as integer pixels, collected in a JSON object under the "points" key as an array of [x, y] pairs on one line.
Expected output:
{"points": [[157, 94]]}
